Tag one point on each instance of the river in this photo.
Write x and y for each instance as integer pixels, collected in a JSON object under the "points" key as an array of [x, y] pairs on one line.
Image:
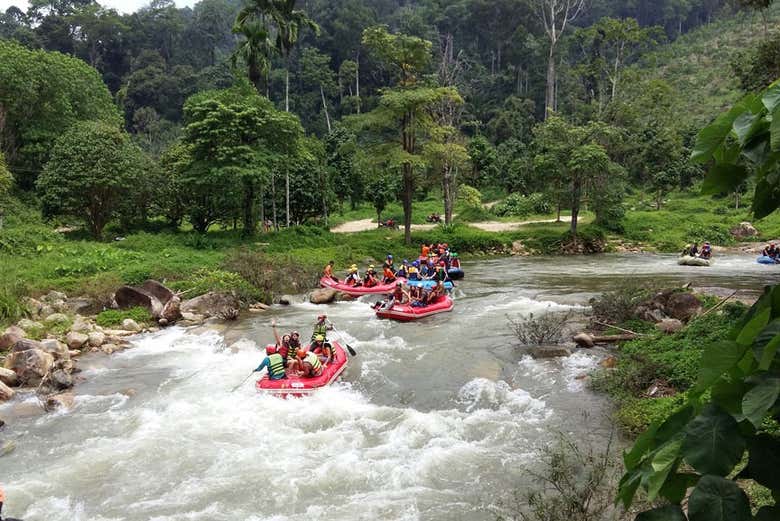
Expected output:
{"points": [[434, 420]]}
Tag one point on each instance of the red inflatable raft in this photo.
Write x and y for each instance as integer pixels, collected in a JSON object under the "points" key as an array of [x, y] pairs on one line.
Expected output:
{"points": [[298, 386], [407, 313], [358, 291]]}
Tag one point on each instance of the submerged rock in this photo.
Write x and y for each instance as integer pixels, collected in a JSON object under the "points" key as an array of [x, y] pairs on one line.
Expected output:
{"points": [[584, 340], [323, 296], [210, 304], [8, 377], [549, 351], [6, 393]]}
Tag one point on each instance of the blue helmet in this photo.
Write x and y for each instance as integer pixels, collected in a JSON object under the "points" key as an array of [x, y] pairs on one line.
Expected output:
{"points": [[405, 261], [416, 263], [389, 256]]}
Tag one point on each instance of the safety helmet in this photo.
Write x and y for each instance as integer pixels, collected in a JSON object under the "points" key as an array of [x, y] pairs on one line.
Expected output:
{"points": [[269, 350], [353, 270], [295, 333], [319, 338], [413, 270], [389, 256], [416, 263], [301, 353], [353, 266], [371, 266], [322, 317], [405, 261], [455, 255]]}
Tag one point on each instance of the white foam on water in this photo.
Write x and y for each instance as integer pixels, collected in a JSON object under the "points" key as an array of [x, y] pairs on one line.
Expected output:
{"points": [[526, 306], [174, 453], [577, 364]]}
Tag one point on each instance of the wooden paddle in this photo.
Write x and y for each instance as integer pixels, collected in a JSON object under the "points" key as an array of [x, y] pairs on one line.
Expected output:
{"points": [[234, 389]]}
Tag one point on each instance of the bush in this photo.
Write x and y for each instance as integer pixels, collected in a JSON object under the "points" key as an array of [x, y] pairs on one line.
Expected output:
{"points": [[11, 305], [100, 288], [547, 328], [714, 233], [619, 305], [469, 196], [203, 281], [113, 317], [271, 275], [473, 214], [519, 205]]}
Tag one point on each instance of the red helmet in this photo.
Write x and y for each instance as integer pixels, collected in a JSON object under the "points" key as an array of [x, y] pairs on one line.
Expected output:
{"points": [[301, 353], [269, 350]]}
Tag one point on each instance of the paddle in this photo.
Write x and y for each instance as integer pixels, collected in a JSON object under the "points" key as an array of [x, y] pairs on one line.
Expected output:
{"points": [[244, 381], [352, 352]]}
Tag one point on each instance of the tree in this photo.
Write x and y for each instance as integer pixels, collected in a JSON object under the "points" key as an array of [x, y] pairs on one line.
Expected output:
{"points": [[341, 149], [447, 156], [405, 109], [41, 95], [6, 182], [93, 167], [555, 16], [254, 50], [758, 68], [315, 70], [483, 161], [237, 140]]}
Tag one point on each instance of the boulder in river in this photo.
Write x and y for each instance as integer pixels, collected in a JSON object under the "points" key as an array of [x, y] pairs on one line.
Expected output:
{"points": [[549, 351], [211, 304], [11, 336], [584, 340], [157, 290], [129, 324], [60, 401], [55, 348], [6, 393], [76, 340], [96, 338], [171, 310], [323, 296], [61, 379], [128, 297], [25, 344], [8, 377], [30, 365], [285, 300]]}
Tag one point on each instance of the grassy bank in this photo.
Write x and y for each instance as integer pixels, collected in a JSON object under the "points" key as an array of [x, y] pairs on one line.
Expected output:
{"points": [[654, 372]]}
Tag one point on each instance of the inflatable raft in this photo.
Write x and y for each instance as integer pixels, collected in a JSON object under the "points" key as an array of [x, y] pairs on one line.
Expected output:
{"points": [[407, 313], [456, 273], [297, 386], [357, 291], [687, 260], [426, 283], [765, 260]]}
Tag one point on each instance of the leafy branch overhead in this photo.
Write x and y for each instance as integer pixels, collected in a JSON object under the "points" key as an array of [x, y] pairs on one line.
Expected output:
{"points": [[744, 142]]}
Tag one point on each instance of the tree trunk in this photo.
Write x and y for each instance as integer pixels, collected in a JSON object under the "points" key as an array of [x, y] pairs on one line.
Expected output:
{"points": [[407, 203], [325, 108], [287, 87], [658, 198], [262, 208], [249, 208], [448, 183], [357, 80], [273, 200], [287, 196], [549, 97]]}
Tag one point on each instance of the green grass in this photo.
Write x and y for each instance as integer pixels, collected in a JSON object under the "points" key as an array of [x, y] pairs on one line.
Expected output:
{"points": [[114, 317], [689, 216], [671, 360]]}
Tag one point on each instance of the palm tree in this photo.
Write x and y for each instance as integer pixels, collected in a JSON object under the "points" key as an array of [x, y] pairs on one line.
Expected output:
{"points": [[253, 51]]}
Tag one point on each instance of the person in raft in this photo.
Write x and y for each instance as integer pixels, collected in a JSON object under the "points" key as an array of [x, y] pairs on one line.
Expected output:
{"points": [[328, 271], [403, 271], [454, 261], [370, 280], [309, 365], [706, 251], [283, 346], [321, 328], [353, 277], [274, 362], [389, 263], [323, 350], [690, 250], [770, 251]]}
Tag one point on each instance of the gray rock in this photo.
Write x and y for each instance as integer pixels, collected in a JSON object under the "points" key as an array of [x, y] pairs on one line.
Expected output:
{"points": [[25, 344], [56, 319], [583, 340], [55, 348], [30, 365], [60, 401], [669, 326], [157, 290], [285, 300], [61, 379], [211, 304], [54, 296], [683, 306], [549, 351], [11, 336], [323, 296], [29, 325], [743, 231], [109, 348], [33, 305], [129, 297], [8, 377], [129, 324], [80, 325], [6, 393], [76, 340], [172, 310], [81, 305], [96, 338], [46, 310], [162, 322]]}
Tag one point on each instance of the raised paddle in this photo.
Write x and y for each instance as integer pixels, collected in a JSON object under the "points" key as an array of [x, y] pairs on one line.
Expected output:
{"points": [[244, 381], [352, 352]]}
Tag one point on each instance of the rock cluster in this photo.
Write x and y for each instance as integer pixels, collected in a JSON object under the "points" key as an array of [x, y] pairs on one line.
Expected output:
{"points": [[669, 304]]}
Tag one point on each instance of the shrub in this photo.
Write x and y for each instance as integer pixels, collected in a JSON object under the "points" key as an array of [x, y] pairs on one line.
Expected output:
{"points": [[547, 328], [11, 306], [272, 274], [474, 214], [203, 281], [469, 196], [619, 304], [113, 317], [714, 233], [100, 288], [519, 205]]}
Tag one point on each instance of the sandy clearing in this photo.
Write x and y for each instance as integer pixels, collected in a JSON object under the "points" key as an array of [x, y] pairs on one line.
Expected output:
{"points": [[488, 226]]}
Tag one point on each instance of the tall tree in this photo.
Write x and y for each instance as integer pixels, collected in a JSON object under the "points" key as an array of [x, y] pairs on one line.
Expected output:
{"points": [[254, 50], [555, 15], [6, 182], [405, 109]]}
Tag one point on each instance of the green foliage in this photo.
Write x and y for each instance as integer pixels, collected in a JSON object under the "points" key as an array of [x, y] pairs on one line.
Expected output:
{"points": [[114, 317], [94, 168], [758, 68], [742, 143], [11, 306], [469, 197], [42, 94], [519, 205], [206, 280], [737, 387]]}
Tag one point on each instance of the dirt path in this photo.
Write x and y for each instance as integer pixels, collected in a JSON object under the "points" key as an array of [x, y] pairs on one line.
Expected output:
{"points": [[488, 226]]}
